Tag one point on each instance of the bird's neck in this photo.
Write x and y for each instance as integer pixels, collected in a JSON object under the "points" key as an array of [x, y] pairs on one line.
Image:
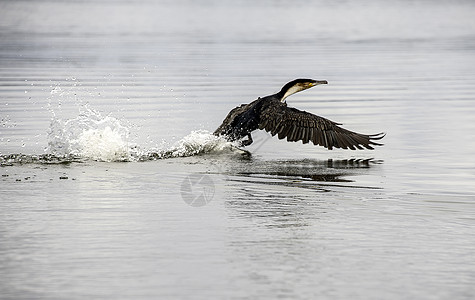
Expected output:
{"points": [[286, 92]]}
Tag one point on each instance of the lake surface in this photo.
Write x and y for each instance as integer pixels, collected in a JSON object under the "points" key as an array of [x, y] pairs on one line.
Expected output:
{"points": [[112, 187]]}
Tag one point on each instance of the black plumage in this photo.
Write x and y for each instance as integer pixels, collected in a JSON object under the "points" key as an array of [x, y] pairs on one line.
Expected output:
{"points": [[272, 114]]}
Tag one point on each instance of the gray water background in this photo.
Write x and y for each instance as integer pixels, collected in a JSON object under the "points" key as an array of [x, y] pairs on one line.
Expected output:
{"points": [[292, 221]]}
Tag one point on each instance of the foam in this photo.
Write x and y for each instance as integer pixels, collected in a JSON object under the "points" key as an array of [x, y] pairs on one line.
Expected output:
{"points": [[103, 138], [90, 135]]}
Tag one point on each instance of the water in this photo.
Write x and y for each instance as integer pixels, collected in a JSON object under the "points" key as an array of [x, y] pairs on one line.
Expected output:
{"points": [[112, 187]]}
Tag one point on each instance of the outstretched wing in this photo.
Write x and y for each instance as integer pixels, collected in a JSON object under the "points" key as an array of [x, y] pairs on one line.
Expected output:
{"points": [[297, 125]]}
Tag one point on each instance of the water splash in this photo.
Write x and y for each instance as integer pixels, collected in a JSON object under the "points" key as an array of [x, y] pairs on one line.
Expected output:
{"points": [[197, 142], [90, 135]]}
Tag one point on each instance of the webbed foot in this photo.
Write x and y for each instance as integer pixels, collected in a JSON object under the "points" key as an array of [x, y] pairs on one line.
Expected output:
{"points": [[247, 142]]}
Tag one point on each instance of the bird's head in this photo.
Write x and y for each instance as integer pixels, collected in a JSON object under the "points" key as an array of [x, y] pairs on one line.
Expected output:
{"points": [[298, 85]]}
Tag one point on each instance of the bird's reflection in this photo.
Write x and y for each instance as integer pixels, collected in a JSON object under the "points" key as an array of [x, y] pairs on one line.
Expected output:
{"points": [[282, 193], [306, 170]]}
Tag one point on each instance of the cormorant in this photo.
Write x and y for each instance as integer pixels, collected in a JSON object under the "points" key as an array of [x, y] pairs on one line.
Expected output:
{"points": [[272, 114]]}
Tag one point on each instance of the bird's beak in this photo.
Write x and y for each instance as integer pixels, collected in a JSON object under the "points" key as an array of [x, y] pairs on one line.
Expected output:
{"points": [[319, 82]]}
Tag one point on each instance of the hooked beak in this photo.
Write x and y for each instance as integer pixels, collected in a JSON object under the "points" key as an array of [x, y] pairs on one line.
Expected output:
{"points": [[317, 82]]}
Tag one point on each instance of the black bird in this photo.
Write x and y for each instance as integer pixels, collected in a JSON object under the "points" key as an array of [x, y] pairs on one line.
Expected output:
{"points": [[272, 114]]}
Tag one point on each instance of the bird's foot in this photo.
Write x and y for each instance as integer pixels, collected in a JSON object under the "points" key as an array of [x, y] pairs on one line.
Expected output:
{"points": [[247, 142]]}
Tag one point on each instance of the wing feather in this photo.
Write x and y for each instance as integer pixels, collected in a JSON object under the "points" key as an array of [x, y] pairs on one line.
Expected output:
{"points": [[297, 125]]}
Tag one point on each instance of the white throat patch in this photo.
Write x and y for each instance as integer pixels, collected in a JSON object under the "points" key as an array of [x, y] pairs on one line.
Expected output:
{"points": [[292, 90]]}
